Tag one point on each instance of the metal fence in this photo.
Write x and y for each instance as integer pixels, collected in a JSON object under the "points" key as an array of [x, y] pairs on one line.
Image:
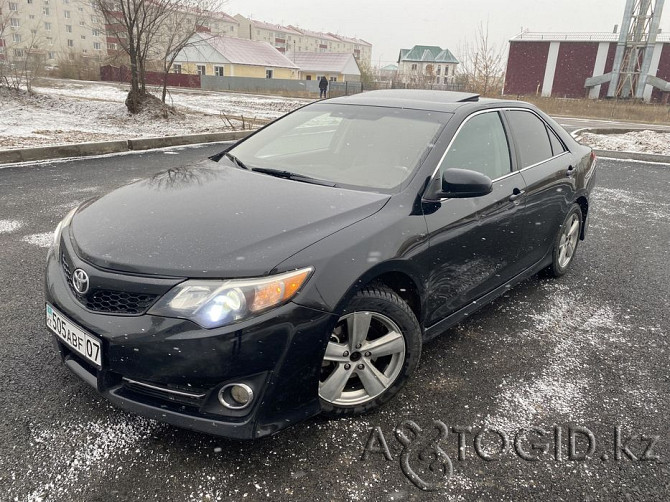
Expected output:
{"points": [[276, 86]]}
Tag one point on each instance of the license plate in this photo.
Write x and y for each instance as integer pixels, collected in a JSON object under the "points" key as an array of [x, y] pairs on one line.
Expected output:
{"points": [[74, 337]]}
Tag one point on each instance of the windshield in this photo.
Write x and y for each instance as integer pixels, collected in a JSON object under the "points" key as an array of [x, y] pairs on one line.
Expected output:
{"points": [[348, 145]]}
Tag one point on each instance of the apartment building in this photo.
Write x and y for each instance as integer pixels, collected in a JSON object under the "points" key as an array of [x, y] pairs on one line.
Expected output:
{"points": [[288, 39], [210, 23], [53, 30]]}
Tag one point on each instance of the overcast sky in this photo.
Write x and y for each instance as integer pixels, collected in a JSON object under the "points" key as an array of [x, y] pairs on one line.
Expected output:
{"points": [[393, 25]]}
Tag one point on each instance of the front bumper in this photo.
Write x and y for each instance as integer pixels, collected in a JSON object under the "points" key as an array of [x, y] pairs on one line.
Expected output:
{"points": [[171, 370]]}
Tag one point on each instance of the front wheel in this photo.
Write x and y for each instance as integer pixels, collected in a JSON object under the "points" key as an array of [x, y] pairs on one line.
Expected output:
{"points": [[566, 241], [372, 351]]}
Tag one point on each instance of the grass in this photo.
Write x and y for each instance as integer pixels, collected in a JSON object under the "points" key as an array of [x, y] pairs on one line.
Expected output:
{"points": [[610, 109]]}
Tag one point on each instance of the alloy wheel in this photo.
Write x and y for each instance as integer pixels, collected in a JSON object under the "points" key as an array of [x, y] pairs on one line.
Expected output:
{"points": [[363, 358]]}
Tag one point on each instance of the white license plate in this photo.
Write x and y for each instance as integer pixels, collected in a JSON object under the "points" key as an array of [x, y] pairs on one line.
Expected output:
{"points": [[74, 337]]}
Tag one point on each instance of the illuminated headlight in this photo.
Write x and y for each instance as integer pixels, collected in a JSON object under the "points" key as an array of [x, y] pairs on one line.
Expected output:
{"points": [[59, 229], [212, 304]]}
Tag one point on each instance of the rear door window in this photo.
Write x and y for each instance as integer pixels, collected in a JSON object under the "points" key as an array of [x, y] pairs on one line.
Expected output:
{"points": [[532, 138]]}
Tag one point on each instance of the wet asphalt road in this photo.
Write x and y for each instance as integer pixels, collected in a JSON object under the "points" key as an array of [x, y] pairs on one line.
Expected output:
{"points": [[587, 352]]}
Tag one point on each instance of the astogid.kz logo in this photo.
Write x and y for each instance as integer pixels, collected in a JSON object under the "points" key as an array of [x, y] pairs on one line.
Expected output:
{"points": [[427, 465]]}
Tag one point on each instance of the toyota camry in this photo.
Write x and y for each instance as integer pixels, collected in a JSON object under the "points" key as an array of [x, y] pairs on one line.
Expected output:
{"points": [[301, 270]]}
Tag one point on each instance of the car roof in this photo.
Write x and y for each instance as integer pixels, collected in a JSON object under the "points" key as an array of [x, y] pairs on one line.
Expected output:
{"points": [[420, 99]]}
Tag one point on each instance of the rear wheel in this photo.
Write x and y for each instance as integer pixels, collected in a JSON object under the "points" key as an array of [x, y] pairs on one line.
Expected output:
{"points": [[373, 350], [566, 241]]}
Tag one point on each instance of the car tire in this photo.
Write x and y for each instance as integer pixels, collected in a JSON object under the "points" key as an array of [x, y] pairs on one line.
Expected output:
{"points": [[374, 348], [566, 242]]}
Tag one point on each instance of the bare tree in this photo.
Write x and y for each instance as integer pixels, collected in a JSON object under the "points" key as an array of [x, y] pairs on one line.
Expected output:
{"points": [[179, 30], [134, 24], [482, 64], [21, 56], [152, 30]]}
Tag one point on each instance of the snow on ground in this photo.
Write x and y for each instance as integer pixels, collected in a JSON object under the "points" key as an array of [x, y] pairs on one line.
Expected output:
{"points": [[186, 100], [42, 240], [636, 141], [572, 328], [63, 112], [7, 226]]}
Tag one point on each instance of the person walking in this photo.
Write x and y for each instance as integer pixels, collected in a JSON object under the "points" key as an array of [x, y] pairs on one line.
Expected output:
{"points": [[323, 87]]}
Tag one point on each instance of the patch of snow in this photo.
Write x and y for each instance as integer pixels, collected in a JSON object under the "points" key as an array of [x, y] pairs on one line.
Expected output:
{"points": [[65, 456], [43, 240], [7, 226], [636, 141], [571, 328]]}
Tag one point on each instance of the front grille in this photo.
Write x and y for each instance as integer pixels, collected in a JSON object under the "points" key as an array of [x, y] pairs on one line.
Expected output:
{"points": [[109, 301]]}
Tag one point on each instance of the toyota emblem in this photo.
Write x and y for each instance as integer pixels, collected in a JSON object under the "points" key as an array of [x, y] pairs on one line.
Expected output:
{"points": [[80, 281]]}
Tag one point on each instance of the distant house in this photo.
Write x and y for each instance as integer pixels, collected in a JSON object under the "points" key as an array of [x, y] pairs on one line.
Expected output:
{"points": [[387, 72], [233, 57], [427, 64], [335, 67]]}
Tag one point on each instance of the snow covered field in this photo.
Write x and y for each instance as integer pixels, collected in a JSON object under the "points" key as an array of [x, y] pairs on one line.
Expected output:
{"points": [[72, 111], [63, 111]]}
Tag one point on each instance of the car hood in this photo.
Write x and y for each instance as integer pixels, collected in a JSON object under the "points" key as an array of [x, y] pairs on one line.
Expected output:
{"points": [[210, 220]]}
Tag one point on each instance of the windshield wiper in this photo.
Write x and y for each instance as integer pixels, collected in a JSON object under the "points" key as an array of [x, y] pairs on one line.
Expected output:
{"points": [[236, 161], [292, 176]]}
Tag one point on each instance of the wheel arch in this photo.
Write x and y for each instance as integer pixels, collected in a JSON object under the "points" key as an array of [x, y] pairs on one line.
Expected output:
{"points": [[396, 276], [583, 203]]}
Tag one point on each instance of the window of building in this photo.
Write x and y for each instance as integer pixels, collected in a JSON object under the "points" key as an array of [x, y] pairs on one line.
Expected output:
{"points": [[445, 80], [30, 1], [83, 37], [47, 26], [46, 11], [81, 23], [96, 32], [51, 55], [13, 6], [31, 16], [50, 40], [14, 22], [439, 70], [218, 71], [111, 46], [18, 53], [70, 42], [68, 28], [176, 68], [16, 38], [333, 79], [202, 69], [309, 77], [66, 13], [269, 73], [97, 46], [414, 66]]}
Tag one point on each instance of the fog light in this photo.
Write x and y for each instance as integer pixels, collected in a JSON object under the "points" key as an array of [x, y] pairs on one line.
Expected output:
{"points": [[236, 396]]}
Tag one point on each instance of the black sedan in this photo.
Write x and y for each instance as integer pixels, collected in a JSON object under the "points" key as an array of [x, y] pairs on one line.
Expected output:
{"points": [[301, 270]]}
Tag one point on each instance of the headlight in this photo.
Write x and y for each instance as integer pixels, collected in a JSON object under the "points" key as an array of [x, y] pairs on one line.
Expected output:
{"points": [[59, 229], [212, 304]]}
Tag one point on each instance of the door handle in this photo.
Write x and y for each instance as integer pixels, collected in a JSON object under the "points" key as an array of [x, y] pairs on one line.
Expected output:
{"points": [[571, 171], [516, 193]]}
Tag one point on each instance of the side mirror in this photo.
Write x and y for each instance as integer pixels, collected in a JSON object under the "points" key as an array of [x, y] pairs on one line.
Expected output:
{"points": [[461, 184]]}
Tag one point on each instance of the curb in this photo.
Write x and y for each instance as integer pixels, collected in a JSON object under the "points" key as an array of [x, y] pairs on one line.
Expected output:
{"points": [[105, 147], [643, 157]]}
